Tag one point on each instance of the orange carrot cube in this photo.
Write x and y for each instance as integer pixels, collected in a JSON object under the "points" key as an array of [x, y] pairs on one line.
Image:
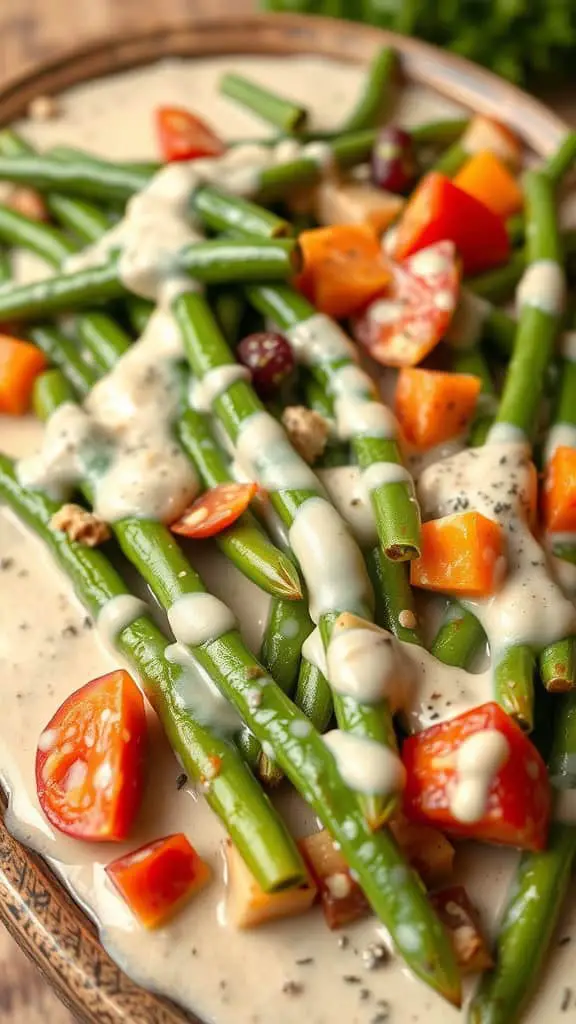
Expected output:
{"points": [[487, 178], [343, 268], [433, 407], [461, 554], [560, 491], [20, 364]]}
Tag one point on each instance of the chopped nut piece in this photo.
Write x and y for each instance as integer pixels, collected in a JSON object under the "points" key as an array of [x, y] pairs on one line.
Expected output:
{"points": [[28, 202], [461, 920], [307, 430], [80, 525], [42, 108]]}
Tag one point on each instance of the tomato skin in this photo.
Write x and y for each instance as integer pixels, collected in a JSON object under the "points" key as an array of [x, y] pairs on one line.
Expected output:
{"points": [[90, 760], [423, 295], [519, 799], [157, 879], [438, 210], [215, 510], [184, 136]]}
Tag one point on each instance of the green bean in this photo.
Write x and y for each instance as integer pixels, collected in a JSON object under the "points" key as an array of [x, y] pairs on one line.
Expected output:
{"points": [[103, 338], [458, 638], [287, 627], [276, 110], [558, 165], [376, 96], [439, 131], [451, 160], [211, 262], [233, 793], [48, 242], [63, 353]]}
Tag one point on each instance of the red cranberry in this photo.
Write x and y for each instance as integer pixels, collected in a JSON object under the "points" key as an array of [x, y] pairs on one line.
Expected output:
{"points": [[269, 358], [393, 161]]}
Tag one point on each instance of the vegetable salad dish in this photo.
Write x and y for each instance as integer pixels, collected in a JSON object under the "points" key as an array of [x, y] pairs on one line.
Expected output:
{"points": [[308, 462]]}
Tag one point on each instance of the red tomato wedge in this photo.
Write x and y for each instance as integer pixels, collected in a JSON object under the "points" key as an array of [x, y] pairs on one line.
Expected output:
{"points": [[480, 777], [439, 210], [215, 510], [90, 760], [156, 880], [402, 328], [183, 136]]}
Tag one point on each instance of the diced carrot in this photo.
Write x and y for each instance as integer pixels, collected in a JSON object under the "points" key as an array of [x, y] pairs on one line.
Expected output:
{"points": [[461, 554], [437, 211], [343, 202], [487, 178], [486, 133], [433, 406], [20, 364], [560, 491], [343, 268], [247, 903]]}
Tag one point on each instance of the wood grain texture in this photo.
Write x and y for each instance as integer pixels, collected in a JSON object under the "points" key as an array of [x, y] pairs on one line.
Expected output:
{"points": [[33, 31]]}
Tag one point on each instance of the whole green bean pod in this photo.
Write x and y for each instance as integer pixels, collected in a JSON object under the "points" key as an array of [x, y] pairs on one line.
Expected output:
{"points": [[285, 114], [213, 261], [62, 352], [376, 96], [287, 627], [48, 242], [233, 793], [540, 319]]}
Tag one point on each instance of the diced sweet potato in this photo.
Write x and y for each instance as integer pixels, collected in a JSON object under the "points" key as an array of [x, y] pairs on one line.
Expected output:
{"points": [[249, 906], [461, 554], [347, 202]]}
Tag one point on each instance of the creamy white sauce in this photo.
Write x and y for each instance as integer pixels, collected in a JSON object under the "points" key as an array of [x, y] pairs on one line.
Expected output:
{"points": [[479, 758], [369, 665], [506, 433], [381, 473], [358, 417], [543, 286], [561, 435], [119, 612], [203, 393], [346, 491], [319, 340], [265, 454], [125, 426], [313, 651], [197, 618], [529, 608], [189, 958], [330, 560], [364, 765]]}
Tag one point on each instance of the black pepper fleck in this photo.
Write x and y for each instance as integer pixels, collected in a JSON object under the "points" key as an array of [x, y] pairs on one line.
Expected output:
{"points": [[292, 988], [566, 1000], [304, 961], [365, 994], [70, 630], [181, 781], [87, 623], [6, 563], [351, 979], [564, 940]]}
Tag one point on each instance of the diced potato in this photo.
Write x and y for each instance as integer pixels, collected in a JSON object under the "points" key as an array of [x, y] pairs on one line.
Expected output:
{"points": [[339, 202], [430, 853], [462, 922], [486, 133], [249, 906]]}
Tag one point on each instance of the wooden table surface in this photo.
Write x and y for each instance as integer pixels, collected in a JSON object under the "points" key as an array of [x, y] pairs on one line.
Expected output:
{"points": [[32, 31]]}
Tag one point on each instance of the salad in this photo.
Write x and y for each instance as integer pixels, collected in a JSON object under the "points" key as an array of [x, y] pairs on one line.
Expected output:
{"points": [[210, 357]]}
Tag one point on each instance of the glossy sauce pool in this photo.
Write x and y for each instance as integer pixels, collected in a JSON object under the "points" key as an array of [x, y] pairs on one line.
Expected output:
{"points": [[281, 972]]}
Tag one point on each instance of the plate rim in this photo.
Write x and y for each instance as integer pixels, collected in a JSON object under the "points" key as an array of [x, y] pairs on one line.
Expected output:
{"points": [[35, 907]]}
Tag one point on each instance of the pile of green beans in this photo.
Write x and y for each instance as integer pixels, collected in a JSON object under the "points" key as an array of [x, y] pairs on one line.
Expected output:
{"points": [[248, 268]]}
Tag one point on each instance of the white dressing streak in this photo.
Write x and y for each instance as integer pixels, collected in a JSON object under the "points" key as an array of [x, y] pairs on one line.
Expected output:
{"points": [[198, 618], [478, 761], [364, 765]]}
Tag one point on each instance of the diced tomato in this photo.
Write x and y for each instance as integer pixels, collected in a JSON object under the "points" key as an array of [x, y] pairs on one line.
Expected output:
{"points": [[90, 760], [480, 777], [215, 510], [156, 880], [402, 328], [184, 136], [438, 210]]}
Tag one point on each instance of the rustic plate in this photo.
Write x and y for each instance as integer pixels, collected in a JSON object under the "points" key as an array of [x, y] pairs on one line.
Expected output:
{"points": [[37, 911]]}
